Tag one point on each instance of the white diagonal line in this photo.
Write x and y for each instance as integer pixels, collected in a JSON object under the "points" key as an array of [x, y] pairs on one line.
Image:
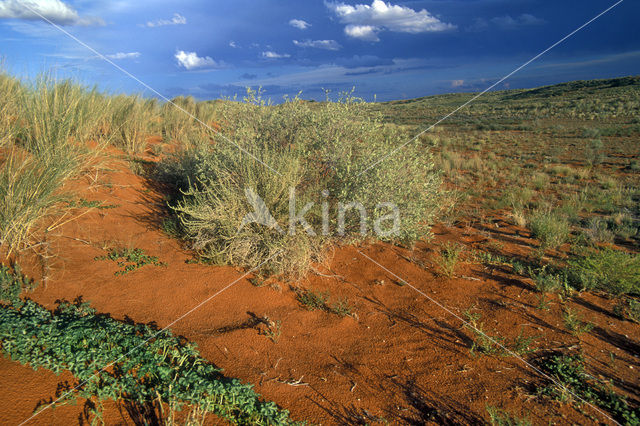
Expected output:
{"points": [[198, 306], [375, 163], [509, 351], [44, 18]]}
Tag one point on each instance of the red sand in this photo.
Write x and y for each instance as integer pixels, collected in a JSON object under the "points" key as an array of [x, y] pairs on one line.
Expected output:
{"points": [[401, 357]]}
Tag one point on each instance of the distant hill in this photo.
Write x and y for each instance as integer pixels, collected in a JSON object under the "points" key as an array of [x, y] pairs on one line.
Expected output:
{"points": [[617, 98]]}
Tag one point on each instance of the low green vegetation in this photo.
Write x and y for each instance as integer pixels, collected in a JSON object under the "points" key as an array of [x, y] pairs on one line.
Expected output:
{"points": [[608, 270], [559, 161], [313, 300], [548, 280], [81, 203], [499, 417], [574, 323], [126, 362], [449, 258], [485, 342], [576, 386], [130, 259], [551, 228], [12, 283]]}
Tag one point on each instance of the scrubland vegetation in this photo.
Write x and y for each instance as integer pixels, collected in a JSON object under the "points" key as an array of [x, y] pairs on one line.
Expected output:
{"points": [[557, 164]]}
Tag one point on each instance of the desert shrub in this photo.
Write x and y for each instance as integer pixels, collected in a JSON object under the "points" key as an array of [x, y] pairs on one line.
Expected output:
{"points": [[594, 153], [321, 152], [212, 203], [597, 231], [549, 227], [608, 270]]}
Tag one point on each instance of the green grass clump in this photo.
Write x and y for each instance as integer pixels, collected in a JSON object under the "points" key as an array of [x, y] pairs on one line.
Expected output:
{"points": [[569, 372], [134, 363], [318, 152], [314, 300], [633, 310], [46, 149], [130, 122], [130, 259], [608, 270], [549, 227], [547, 280], [57, 118], [574, 323], [10, 93], [29, 192], [449, 258], [499, 417]]}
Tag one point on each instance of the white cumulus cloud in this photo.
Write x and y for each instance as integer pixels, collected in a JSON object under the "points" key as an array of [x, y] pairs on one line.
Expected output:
{"points": [[457, 83], [177, 19], [363, 32], [56, 11], [123, 55], [318, 44], [299, 24], [366, 21], [269, 54], [190, 60]]}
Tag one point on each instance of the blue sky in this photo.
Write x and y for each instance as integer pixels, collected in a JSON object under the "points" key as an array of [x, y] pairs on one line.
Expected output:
{"points": [[393, 50]]}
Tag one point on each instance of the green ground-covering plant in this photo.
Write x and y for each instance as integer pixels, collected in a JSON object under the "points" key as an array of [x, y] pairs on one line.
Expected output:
{"points": [[147, 366], [313, 300], [547, 280], [130, 259], [125, 362], [569, 372], [12, 283]]}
